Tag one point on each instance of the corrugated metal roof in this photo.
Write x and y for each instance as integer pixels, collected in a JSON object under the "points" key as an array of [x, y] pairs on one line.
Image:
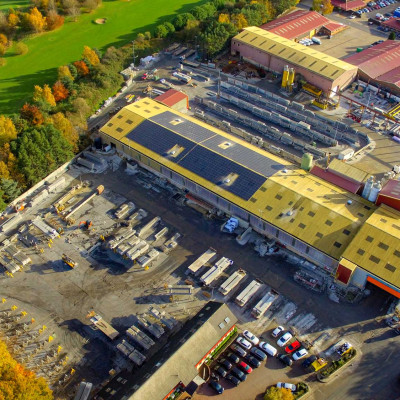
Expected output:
{"points": [[393, 23], [344, 183], [291, 199], [348, 5], [391, 189], [333, 26], [392, 76], [347, 170], [171, 97], [296, 24], [377, 60], [375, 248], [294, 53]]}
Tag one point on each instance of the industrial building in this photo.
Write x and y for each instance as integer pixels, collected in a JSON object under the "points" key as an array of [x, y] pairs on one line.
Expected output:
{"points": [[274, 197], [351, 5], [302, 23], [174, 99], [379, 65], [272, 52], [177, 368], [390, 194]]}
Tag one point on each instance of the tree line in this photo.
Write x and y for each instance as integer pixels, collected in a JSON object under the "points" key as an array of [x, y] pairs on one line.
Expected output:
{"points": [[50, 128], [212, 25]]}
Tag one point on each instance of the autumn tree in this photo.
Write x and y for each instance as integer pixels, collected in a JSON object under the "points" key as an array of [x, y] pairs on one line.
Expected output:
{"points": [[54, 20], [90, 5], [36, 21], [66, 128], [3, 39], [327, 7], [2, 49], [90, 55], [32, 114], [239, 21], [13, 20], [64, 71], [224, 18], [21, 48], [7, 130], [274, 393], [81, 67], [37, 93], [71, 8], [60, 92]]}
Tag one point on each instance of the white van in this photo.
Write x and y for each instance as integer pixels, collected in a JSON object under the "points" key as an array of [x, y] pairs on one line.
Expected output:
{"points": [[271, 350]]}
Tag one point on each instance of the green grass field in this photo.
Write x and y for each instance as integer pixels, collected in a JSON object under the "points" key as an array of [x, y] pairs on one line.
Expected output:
{"points": [[50, 50]]}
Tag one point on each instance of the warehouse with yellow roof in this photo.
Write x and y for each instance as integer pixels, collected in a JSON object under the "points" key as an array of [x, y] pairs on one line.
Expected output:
{"points": [[310, 216], [273, 52]]}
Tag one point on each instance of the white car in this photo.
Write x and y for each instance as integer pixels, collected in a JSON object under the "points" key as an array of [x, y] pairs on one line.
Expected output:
{"points": [[243, 342], [290, 386], [352, 16], [300, 354], [251, 338], [284, 339], [277, 331]]}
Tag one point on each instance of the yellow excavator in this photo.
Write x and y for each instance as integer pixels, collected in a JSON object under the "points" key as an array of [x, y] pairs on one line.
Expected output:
{"points": [[69, 261]]}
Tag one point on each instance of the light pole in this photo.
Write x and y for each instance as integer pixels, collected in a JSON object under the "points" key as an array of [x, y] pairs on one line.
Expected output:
{"points": [[133, 51]]}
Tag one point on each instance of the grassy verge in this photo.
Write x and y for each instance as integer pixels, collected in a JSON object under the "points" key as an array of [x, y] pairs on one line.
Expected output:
{"points": [[47, 51], [222, 346], [328, 371]]}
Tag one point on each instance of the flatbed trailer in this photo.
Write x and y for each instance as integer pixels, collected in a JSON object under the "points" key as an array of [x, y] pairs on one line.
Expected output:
{"points": [[232, 282], [264, 304], [214, 272], [245, 295], [206, 257]]}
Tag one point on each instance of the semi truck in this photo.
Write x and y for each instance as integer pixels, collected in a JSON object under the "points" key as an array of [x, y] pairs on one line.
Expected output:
{"points": [[214, 272], [232, 282], [264, 304], [201, 261], [245, 295]]}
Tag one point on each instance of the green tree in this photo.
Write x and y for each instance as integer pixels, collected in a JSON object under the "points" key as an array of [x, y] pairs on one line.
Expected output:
{"points": [[21, 48], [181, 20], [215, 36], [10, 189], [161, 31], [73, 70], [205, 11], [3, 206], [392, 36], [170, 27]]}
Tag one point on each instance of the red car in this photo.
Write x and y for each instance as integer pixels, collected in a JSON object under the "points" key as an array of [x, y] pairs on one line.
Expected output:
{"points": [[292, 347], [245, 368]]}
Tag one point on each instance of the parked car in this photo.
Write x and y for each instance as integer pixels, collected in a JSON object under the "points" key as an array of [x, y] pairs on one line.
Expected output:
{"points": [[284, 339], [293, 347], [225, 363], [233, 379], [221, 371], [352, 16], [239, 374], [243, 342], [253, 362], [277, 331], [300, 354], [233, 357], [258, 353], [271, 350], [245, 368], [237, 349], [283, 385], [217, 387], [251, 338], [309, 360], [285, 359]]}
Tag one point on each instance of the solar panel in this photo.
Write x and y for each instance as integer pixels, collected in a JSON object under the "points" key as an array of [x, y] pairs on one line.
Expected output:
{"points": [[247, 157], [215, 168], [186, 128], [160, 140]]}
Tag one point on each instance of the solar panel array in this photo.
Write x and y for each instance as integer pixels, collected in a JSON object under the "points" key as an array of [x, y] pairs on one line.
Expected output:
{"points": [[198, 159], [160, 140], [186, 128]]}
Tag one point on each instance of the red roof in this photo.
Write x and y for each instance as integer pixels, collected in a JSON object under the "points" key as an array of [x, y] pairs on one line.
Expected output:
{"points": [[337, 180], [393, 23], [334, 26], [296, 24], [348, 5], [171, 97], [391, 189], [377, 60]]}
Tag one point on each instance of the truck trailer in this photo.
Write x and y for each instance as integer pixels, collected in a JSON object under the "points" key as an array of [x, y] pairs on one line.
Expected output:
{"points": [[232, 282], [214, 272], [206, 257], [264, 304], [245, 295]]}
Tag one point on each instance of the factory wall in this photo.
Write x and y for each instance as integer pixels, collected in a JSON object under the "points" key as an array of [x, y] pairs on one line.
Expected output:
{"points": [[276, 64]]}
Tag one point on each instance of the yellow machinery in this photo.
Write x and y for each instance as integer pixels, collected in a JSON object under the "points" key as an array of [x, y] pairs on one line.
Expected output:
{"points": [[69, 261], [392, 113], [291, 77], [312, 89], [318, 364], [285, 76]]}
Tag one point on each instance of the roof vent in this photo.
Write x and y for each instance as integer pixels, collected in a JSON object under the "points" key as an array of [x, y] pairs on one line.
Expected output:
{"points": [[226, 180], [289, 213], [349, 202], [285, 171]]}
